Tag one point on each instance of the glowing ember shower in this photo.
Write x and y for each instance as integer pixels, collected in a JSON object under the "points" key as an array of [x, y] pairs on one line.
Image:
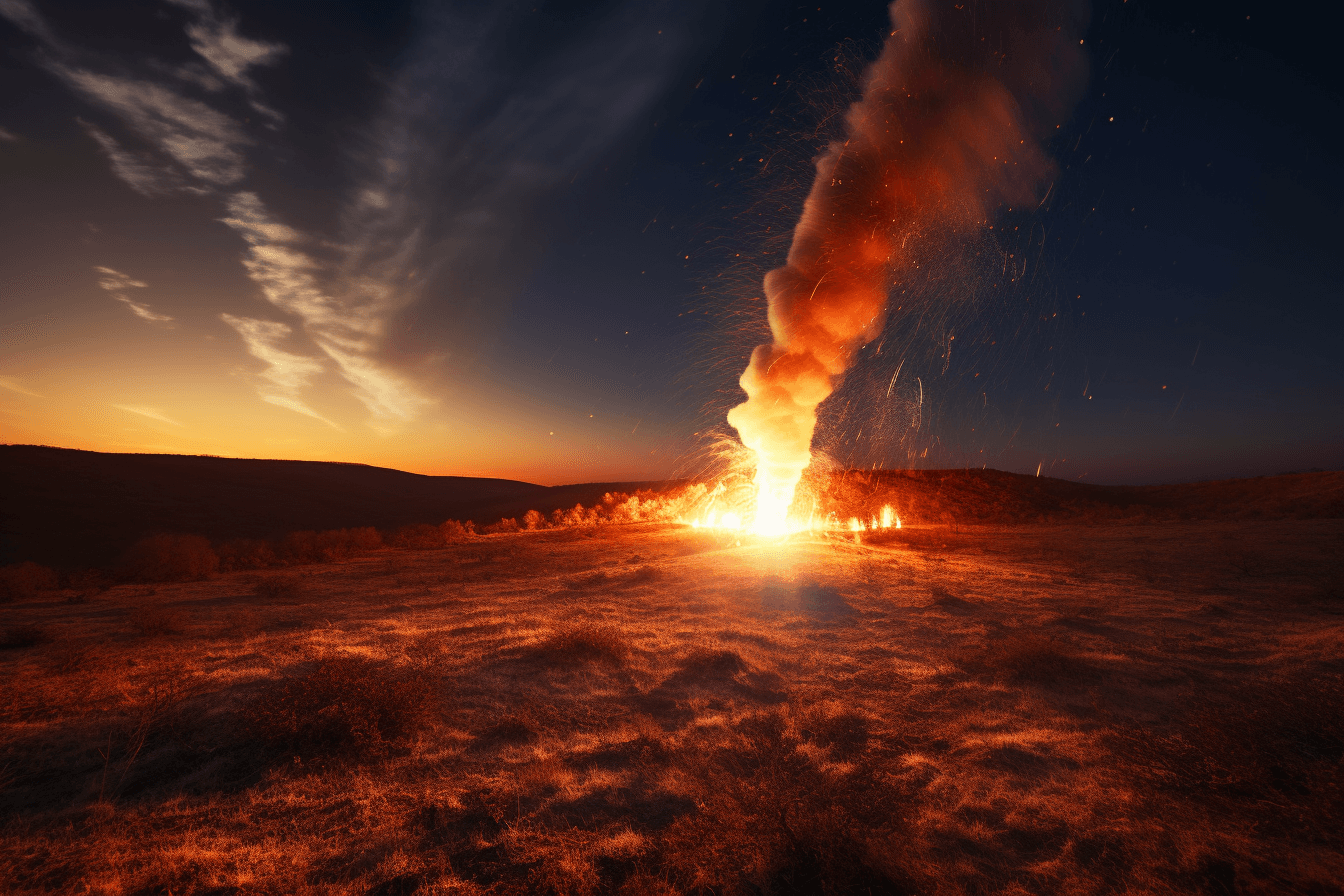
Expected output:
{"points": [[948, 129]]}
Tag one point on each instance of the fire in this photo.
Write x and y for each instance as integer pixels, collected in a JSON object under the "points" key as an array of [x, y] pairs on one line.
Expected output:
{"points": [[714, 517], [948, 129]]}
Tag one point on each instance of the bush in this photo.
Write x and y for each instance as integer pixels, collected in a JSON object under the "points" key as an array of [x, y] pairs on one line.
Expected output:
{"points": [[454, 531], [325, 547], [533, 520], [23, 581], [345, 704], [502, 527], [246, 553], [419, 537], [169, 558]]}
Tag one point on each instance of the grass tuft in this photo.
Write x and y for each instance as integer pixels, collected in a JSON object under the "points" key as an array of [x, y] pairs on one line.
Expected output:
{"points": [[343, 706], [587, 642]]}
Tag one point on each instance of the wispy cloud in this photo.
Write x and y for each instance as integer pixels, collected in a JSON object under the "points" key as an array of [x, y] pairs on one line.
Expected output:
{"points": [[13, 385], [215, 39], [195, 147], [287, 374], [151, 413], [117, 283], [469, 148], [347, 331], [7, 137], [138, 171], [142, 311], [473, 145], [206, 144]]}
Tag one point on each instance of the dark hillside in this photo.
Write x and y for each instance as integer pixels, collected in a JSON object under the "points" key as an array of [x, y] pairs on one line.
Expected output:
{"points": [[992, 497], [69, 508]]}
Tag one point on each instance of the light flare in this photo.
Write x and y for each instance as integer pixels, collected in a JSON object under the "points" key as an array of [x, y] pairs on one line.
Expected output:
{"points": [[780, 524]]}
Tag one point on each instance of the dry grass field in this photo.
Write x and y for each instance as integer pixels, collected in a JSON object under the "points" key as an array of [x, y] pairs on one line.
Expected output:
{"points": [[647, 709]]}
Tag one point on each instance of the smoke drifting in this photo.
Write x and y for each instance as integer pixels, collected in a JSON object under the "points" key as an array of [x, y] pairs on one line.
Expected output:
{"points": [[949, 129]]}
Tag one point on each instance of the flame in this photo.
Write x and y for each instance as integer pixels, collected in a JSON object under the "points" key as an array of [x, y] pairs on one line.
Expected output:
{"points": [[781, 525], [948, 129]]}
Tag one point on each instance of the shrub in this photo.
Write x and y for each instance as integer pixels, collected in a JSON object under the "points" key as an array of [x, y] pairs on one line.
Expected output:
{"points": [[345, 704], [246, 553], [23, 581], [325, 547], [419, 537], [19, 636], [454, 530], [533, 520], [503, 526], [169, 558]]}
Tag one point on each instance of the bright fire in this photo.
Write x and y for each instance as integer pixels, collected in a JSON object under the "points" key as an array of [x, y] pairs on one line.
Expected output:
{"points": [[777, 524], [948, 130]]}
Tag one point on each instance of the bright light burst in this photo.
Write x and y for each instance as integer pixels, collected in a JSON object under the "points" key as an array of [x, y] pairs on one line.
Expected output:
{"points": [[770, 522]]}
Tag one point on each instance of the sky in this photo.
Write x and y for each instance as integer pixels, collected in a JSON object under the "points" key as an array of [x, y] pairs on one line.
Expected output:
{"points": [[527, 240]]}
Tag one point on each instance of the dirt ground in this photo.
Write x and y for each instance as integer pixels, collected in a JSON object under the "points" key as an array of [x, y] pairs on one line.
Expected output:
{"points": [[649, 709]]}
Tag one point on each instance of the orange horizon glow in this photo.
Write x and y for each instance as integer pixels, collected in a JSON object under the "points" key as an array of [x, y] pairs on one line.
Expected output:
{"points": [[196, 412]]}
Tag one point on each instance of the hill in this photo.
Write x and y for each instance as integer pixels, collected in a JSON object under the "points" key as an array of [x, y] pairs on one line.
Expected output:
{"points": [[992, 497], [68, 508]]}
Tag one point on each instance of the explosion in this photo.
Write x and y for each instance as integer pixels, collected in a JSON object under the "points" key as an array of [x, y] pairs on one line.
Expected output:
{"points": [[948, 130]]}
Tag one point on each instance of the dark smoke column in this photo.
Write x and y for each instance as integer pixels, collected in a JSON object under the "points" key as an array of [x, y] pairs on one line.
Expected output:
{"points": [[949, 129]]}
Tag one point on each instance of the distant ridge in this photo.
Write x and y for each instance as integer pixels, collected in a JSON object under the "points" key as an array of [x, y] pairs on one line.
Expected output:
{"points": [[993, 497], [69, 508]]}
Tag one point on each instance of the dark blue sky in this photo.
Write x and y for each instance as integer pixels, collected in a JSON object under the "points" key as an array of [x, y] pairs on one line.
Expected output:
{"points": [[511, 220]]}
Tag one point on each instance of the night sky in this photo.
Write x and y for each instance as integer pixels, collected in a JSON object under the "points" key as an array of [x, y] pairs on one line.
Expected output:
{"points": [[527, 240]]}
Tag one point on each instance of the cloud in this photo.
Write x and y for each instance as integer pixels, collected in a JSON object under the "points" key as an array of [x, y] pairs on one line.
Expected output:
{"points": [[116, 282], [347, 330], [142, 311], [195, 147], [141, 173], [147, 412], [474, 141], [286, 375], [13, 385], [206, 144], [23, 15], [215, 39], [7, 137], [477, 142]]}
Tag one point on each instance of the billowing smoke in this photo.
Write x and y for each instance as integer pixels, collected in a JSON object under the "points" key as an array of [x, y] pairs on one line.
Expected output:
{"points": [[948, 130]]}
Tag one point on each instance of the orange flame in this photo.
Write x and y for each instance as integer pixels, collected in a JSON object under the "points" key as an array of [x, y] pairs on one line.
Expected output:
{"points": [[946, 131]]}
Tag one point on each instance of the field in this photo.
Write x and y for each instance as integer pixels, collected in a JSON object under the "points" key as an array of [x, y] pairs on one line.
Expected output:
{"points": [[648, 709]]}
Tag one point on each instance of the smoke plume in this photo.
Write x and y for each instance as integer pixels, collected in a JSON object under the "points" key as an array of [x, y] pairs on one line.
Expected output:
{"points": [[949, 129]]}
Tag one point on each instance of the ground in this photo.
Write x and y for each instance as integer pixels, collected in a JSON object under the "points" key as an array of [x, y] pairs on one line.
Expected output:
{"points": [[644, 708]]}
